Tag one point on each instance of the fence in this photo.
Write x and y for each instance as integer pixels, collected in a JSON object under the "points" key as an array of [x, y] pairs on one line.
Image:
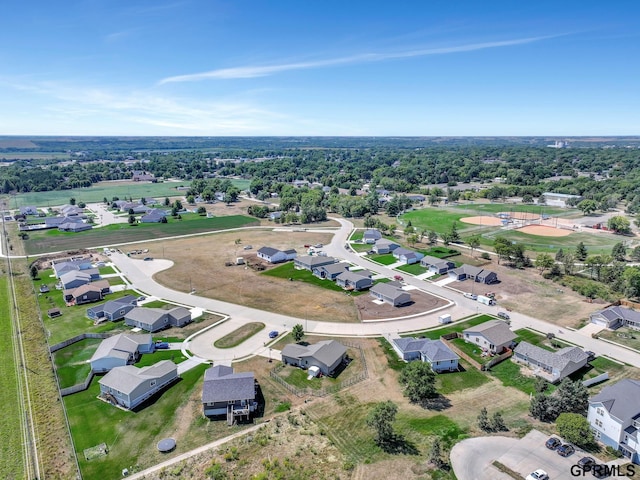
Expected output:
{"points": [[600, 378], [77, 338], [323, 392], [78, 387], [486, 366]]}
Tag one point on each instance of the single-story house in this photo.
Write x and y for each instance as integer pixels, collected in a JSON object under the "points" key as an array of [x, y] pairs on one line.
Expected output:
{"points": [[357, 280], [384, 246], [29, 210], [89, 293], [129, 386], [330, 272], [615, 317], [407, 256], [74, 227], [390, 294], [143, 176], [74, 279], [552, 366], [154, 319], [494, 335], [437, 265], [308, 262], [439, 355], [119, 350], [474, 273], [71, 210], [155, 215], [327, 355], [275, 215], [273, 255], [52, 222], [64, 266], [113, 310], [614, 417], [227, 393], [371, 236]]}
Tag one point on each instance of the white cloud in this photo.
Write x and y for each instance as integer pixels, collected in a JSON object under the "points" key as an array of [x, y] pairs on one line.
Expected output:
{"points": [[265, 70]]}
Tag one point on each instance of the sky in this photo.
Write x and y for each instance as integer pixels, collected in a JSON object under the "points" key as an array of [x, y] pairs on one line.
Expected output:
{"points": [[325, 68]]}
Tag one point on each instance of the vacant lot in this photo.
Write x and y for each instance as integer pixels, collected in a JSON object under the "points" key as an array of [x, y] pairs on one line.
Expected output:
{"points": [[420, 302]]}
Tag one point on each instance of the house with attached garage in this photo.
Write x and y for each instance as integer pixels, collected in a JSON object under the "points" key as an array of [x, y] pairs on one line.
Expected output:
{"points": [[437, 265], [494, 336], [330, 272], [112, 310], [64, 266], [308, 262], [476, 274], [273, 255], [119, 350], [616, 317], [227, 393], [390, 293], [371, 236], [552, 366], [327, 355], [441, 357], [154, 319], [75, 278], [384, 246], [358, 280], [129, 386], [614, 417], [406, 256], [154, 215], [89, 293]]}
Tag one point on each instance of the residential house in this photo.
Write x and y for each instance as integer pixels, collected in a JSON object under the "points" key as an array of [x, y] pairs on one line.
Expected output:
{"points": [[55, 222], [493, 336], [71, 210], [74, 227], [119, 350], [371, 236], [74, 279], [331, 271], [308, 262], [616, 317], [227, 393], [275, 215], [64, 266], [407, 256], [552, 366], [390, 294], [439, 355], [614, 416], [154, 319], [154, 215], [273, 255], [128, 386], [142, 176], [437, 265], [112, 310], [358, 280], [29, 210], [89, 293], [474, 273], [384, 246], [327, 355]]}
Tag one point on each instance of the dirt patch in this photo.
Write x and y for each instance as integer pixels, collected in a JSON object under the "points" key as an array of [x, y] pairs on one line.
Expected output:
{"points": [[482, 220], [545, 231], [420, 302]]}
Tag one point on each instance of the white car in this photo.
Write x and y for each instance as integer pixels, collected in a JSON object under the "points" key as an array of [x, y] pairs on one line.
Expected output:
{"points": [[472, 296], [538, 475]]}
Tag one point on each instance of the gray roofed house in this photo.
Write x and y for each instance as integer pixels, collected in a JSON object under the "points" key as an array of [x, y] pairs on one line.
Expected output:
{"points": [[371, 236], [391, 294], [153, 215], [227, 393], [74, 227], [327, 355], [552, 366], [353, 280], [407, 256], [129, 386], [74, 278], [113, 309], [52, 222], [384, 246], [494, 335], [437, 265], [273, 255], [439, 355], [474, 273], [614, 417], [29, 210], [308, 262], [91, 292], [615, 317], [331, 271], [119, 350], [64, 266], [154, 319]]}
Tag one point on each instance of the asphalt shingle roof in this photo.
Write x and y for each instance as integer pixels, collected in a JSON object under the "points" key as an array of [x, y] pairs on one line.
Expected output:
{"points": [[496, 331], [620, 399], [222, 385]]}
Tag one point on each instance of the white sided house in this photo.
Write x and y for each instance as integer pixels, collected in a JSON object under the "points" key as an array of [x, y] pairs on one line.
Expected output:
{"points": [[493, 336], [120, 350], [128, 386], [435, 352], [390, 293], [327, 355], [614, 417], [273, 255]]}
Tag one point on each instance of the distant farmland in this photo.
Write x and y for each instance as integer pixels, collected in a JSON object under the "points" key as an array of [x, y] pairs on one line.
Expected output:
{"points": [[55, 241]]}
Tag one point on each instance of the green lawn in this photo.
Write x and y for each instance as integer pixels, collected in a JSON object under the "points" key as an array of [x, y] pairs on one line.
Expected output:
{"points": [[470, 377], [11, 448], [533, 338], [440, 252], [440, 426], [623, 336], [54, 240], [509, 374], [383, 259], [106, 270], [393, 361], [360, 247], [72, 362], [436, 333], [471, 349], [287, 271], [148, 359], [357, 235], [239, 335], [298, 378], [413, 269]]}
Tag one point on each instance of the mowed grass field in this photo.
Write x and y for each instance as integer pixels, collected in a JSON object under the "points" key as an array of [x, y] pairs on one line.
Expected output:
{"points": [[55, 241], [11, 460]]}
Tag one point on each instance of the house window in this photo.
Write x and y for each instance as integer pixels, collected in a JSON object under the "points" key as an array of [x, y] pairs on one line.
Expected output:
{"points": [[152, 383], [600, 411], [599, 423], [597, 434]]}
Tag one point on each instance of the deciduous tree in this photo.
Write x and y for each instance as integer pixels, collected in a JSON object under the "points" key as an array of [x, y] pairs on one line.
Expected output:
{"points": [[419, 381], [574, 428], [381, 419]]}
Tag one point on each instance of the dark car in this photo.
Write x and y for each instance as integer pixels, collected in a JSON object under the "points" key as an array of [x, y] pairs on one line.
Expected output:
{"points": [[148, 259], [599, 471], [504, 315], [553, 443], [585, 463], [590, 355], [565, 450], [273, 334]]}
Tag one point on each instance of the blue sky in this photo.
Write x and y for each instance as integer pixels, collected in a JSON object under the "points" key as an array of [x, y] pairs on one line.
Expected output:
{"points": [[304, 67]]}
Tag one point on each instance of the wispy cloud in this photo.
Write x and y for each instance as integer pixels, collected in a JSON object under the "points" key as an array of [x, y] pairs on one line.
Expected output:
{"points": [[265, 70]]}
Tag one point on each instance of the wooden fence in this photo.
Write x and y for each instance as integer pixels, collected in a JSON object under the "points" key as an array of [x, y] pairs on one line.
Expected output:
{"points": [[77, 338], [480, 366], [78, 387], [323, 392]]}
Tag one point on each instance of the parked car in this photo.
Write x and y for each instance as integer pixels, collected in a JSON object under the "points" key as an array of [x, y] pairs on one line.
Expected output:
{"points": [[565, 450], [472, 296], [141, 298], [273, 334], [504, 315], [318, 245], [553, 443], [398, 278], [600, 470], [148, 259], [590, 355], [538, 475], [160, 345], [247, 247], [585, 463]]}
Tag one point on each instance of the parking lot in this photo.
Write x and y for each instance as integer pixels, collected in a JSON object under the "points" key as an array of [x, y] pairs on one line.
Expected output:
{"points": [[523, 455]]}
